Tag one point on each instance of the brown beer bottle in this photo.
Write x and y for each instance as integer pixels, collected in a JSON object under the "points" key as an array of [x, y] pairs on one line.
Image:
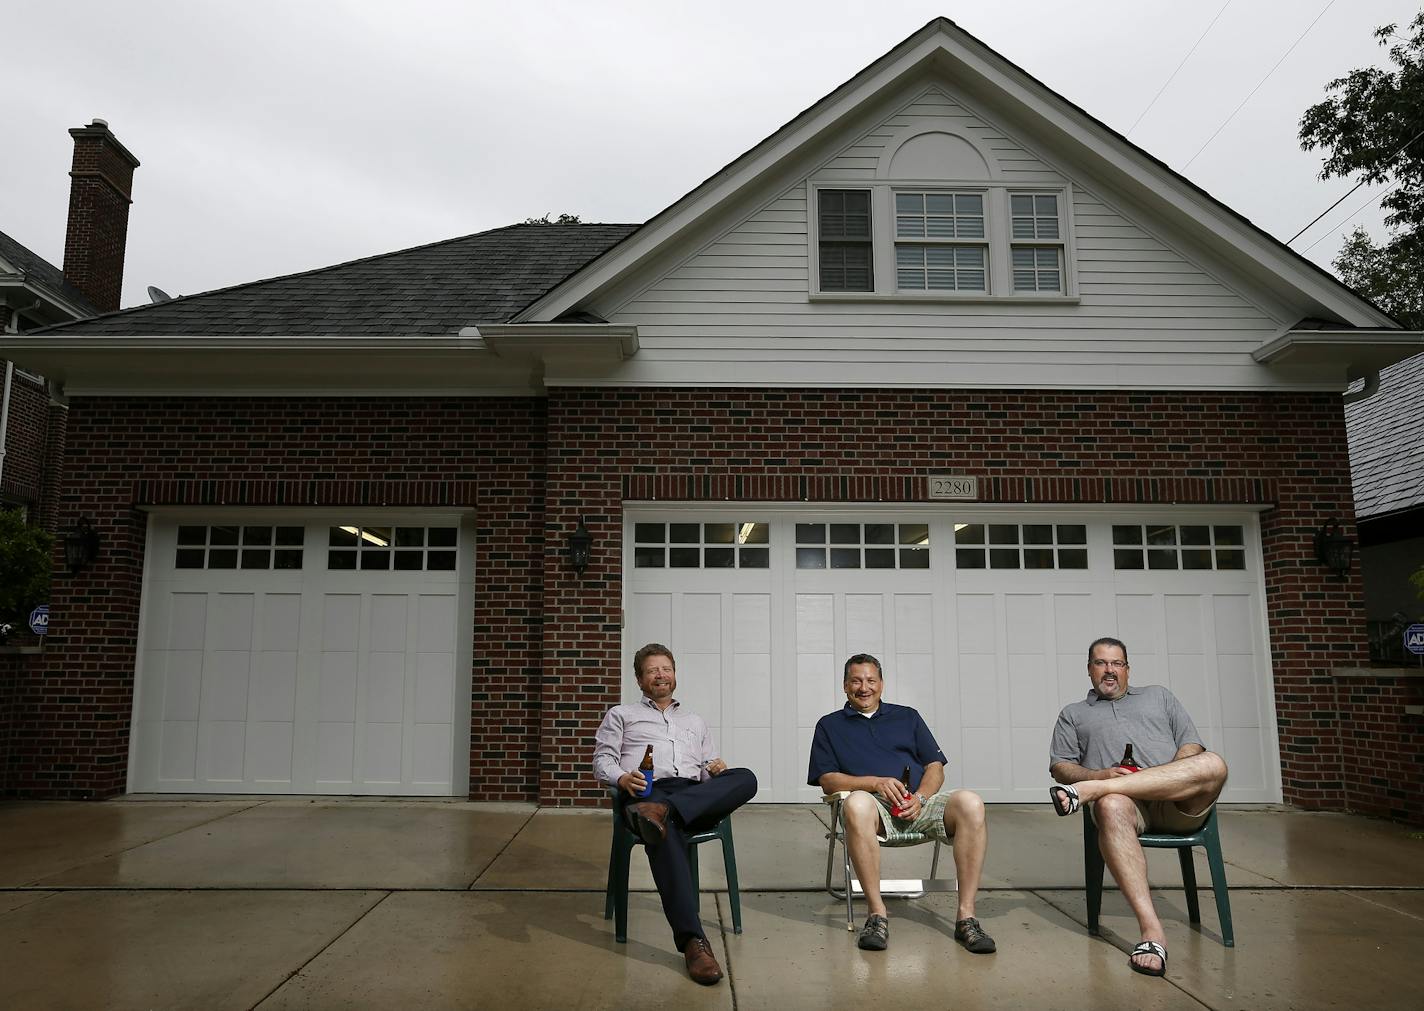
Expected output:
{"points": [[646, 768], [1128, 762], [905, 782]]}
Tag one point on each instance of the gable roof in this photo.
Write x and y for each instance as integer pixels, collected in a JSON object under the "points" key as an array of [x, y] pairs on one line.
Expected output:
{"points": [[943, 48], [423, 291], [35, 269], [1386, 434]]}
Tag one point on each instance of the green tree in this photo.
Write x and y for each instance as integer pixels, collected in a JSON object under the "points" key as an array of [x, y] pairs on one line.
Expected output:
{"points": [[24, 566], [562, 219], [1372, 125]]}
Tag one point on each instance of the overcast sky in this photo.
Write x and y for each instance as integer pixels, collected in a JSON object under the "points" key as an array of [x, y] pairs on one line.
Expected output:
{"points": [[281, 136]]}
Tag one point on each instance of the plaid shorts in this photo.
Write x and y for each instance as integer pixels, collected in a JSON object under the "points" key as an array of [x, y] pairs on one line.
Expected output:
{"points": [[1163, 816], [930, 823]]}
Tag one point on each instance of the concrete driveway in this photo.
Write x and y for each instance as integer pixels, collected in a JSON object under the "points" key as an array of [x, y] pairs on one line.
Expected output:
{"points": [[320, 903]]}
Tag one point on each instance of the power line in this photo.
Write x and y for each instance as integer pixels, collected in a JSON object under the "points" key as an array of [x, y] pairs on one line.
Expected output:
{"points": [[1357, 210], [1178, 70], [1258, 86], [1352, 189]]}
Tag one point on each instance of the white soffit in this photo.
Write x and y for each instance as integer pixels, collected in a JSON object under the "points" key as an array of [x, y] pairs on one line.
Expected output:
{"points": [[1359, 351]]}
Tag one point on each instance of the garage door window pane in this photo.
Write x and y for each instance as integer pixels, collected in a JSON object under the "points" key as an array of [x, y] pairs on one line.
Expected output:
{"points": [[409, 561], [719, 558], [1161, 559], [440, 561], [648, 558], [1003, 533], [1161, 536], [754, 533], [256, 559], [754, 558], [377, 537], [1003, 558], [1127, 559], [1196, 558], [914, 533], [222, 558], [880, 533], [914, 558], [969, 558], [1196, 535], [341, 559], [845, 558], [1230, 559], [684, 533], [291, 536], [718, 533], [1038, 558], [343, 537], [222, 535], [684, 558], [1228, 535], [190, 558], [256, 536], [287, 558], [969, 533], [648, 533], [879, 558], [810, 533], [845, 533], [1127, 535], [442, 537], [410, 537], [1072, 533], [376, 560], [1072, 558], [192, 535], [1038, 533], [810, 558]]}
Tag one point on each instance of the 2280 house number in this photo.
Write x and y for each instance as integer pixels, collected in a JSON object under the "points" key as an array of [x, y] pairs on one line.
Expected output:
{"points": [[953, 486]]}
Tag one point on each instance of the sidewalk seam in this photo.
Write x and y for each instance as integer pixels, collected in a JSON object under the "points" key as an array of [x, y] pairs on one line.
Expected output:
{"points": [[508, 843], [321, 951]]}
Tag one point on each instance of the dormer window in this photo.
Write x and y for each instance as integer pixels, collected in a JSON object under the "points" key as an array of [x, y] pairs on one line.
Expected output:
{"points": [[984, 240]]}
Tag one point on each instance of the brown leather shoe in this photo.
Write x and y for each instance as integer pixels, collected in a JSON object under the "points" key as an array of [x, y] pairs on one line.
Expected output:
{"points": [[649, 820], [701, 963]]}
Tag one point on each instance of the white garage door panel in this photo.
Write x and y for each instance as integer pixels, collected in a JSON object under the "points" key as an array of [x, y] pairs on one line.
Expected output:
{"points": [[988, 656], [299, 680]]}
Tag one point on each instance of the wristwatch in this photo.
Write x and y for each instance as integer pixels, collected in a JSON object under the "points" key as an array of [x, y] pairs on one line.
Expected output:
{"points": [[921, 798]]}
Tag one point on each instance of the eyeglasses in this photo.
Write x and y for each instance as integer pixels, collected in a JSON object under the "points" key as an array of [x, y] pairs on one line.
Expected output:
{"points": [[1114, 664]]}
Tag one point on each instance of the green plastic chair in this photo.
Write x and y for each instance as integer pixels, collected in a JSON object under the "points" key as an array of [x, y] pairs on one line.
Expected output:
{"points": [[1207, 836], [615, 895]]}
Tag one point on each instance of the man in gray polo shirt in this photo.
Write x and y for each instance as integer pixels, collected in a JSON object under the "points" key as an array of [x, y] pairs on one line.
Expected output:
{"points": [[1178, 782]]}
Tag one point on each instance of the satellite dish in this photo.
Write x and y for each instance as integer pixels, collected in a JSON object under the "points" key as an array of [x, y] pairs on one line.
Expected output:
{"points": [[157, 294]]}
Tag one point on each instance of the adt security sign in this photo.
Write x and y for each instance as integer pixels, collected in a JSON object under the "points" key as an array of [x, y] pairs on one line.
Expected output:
{"points": [[1414, 639], [39, 620]]}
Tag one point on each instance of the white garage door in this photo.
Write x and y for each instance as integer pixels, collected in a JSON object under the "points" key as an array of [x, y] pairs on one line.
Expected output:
{"points": [[293, 655], [981, 617]]}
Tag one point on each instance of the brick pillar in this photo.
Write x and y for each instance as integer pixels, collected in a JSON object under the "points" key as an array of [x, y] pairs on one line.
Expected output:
{"points": [[101, 181]]}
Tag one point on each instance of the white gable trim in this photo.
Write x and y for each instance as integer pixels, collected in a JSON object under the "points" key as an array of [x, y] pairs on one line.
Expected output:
{"points": [[943, 46]]}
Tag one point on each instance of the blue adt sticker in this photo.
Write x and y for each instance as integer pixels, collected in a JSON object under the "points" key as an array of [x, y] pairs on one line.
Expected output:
{"points": [[1414, 639], [39, 620]]}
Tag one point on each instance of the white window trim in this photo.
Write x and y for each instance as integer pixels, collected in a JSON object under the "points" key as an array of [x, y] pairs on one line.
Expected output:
{"points": [[998, 237]]}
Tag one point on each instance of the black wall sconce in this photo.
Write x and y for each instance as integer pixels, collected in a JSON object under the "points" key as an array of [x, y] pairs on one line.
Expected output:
{"points": [[81, 546], [1333, 549], [580, 547]]}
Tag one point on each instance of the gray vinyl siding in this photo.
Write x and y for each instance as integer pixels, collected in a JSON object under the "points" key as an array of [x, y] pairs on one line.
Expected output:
{"points": [[743, 299]]}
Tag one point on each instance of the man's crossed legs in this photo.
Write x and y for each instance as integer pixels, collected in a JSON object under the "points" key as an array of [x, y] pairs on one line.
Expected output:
{"points": [[1188, 786], [963, 826]]}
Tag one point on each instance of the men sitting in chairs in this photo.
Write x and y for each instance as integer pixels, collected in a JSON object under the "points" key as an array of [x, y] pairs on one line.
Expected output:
{"points": [[864, 748], [693, 790], [1178, 783]]}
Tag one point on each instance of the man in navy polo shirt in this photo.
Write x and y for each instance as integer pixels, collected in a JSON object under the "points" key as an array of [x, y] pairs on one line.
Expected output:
{"points": [[863, 748]]}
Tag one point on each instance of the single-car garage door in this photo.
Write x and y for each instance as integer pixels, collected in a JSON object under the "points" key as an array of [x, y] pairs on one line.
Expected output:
{"points": [[302, 655], [982, 618]]}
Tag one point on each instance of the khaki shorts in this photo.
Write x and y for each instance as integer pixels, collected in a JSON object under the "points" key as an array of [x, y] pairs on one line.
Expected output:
{"points": [[930, 822], [1163, 816]]}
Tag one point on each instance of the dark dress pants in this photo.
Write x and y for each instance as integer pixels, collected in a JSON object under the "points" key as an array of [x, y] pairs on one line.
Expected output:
{"points": [[693, 807]]}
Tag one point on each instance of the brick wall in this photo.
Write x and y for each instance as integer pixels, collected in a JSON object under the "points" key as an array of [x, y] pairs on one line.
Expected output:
{"points": [[70, 714], [1283, 450], [1382, 746]]}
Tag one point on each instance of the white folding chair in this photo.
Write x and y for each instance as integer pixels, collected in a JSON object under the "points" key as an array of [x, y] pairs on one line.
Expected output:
{"points": [[904, 888]]}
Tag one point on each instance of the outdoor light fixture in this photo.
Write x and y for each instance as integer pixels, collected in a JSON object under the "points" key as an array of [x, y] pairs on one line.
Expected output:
{"points": [[1334, 550], [580, 547], [81, 546]]}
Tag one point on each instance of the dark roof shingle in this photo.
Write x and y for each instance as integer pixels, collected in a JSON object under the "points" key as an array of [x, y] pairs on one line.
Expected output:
{"points": [[1386, 434], [40, 270], [425, 291]]}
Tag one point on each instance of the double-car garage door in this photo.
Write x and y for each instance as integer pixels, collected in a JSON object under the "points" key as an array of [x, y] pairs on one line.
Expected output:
{"points": [[981, 617], [302, 654]]}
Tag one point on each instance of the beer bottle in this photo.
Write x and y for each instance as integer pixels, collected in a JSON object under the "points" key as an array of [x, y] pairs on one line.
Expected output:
{"points": [[905, 781], [1128, 762], [646, 768]]}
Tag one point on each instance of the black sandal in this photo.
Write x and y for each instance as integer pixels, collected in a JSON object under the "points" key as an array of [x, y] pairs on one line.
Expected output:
{"points": [[1073, 802], [875, 935]]}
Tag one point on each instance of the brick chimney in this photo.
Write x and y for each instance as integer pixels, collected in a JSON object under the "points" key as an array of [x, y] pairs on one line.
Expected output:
{"points": [[100, 182]]}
